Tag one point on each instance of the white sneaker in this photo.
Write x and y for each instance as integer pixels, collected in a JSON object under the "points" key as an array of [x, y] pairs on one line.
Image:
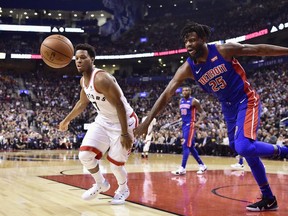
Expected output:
{"points": [[120, 196], [237, 166], [179, 171], [202, 169], [95, 190]]}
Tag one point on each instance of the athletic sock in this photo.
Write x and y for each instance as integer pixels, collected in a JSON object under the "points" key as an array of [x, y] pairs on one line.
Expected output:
{"points": [[241, 161], [266, 191], [99, 178]]}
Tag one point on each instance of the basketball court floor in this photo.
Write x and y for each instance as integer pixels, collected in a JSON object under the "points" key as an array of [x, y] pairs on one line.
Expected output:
{"points": [[45, 183]]}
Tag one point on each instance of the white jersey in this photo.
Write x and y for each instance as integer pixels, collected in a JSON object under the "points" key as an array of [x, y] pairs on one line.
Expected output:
{"points": [[104, 108]]}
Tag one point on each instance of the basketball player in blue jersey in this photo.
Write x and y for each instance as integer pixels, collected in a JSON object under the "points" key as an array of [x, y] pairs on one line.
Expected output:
{"points": [[112, 130], [216, 70], [188, 106]]}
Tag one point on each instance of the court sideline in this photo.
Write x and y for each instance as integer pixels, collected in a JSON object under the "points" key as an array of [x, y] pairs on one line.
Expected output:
{"points": [[51, 183]]}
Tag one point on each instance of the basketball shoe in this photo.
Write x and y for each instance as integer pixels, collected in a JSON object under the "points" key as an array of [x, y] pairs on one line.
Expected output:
{"points": [[179, 171], [237, 166], [265, 204], [202, 169], [95, 190], [120, 196]]}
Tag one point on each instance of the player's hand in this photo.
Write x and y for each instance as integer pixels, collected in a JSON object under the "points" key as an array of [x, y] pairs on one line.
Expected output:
{"points": [[63, 126], [141, 130], [126, 141]]}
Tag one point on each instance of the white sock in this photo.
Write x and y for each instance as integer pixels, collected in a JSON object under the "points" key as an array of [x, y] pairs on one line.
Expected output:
{"points": [[123, 186], [120, 174], [99, 178]]}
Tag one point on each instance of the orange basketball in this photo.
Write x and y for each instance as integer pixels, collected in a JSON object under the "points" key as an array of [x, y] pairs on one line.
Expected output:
{"points": [[57, 51]]}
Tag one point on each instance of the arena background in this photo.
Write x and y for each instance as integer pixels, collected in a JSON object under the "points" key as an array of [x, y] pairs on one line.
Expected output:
{"points": [[138, 42]]}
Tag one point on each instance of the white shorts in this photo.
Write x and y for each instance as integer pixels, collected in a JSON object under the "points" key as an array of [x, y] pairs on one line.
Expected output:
{"points": [[102, 136]]}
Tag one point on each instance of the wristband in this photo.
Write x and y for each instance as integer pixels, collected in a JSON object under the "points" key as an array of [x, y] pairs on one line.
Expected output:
{"points": [[126, 134]]}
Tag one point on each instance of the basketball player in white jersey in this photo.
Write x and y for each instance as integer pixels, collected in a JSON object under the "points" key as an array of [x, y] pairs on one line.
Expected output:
{"points": [[112, 128], [148, 137]]}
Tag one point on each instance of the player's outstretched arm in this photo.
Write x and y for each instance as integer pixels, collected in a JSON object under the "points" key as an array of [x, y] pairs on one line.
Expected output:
{"points": [[183, 73], [236, 49], [77, 110]]}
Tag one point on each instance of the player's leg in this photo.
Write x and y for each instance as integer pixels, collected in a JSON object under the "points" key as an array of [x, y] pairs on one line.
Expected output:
{"points": [[194, 152], [231, 119], [93, 146], [185, 153], [122, 192], [189, 133], [248, 120], [202, 166], [268, 201], [118, 156], [146, 148], [241, 160]]}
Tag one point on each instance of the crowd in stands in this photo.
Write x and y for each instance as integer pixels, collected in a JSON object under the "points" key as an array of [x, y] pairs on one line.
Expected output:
{"points": [[30, 121]]}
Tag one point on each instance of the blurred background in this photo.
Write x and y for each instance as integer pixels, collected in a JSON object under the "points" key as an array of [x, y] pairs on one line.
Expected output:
{"points": [[138, 42]]}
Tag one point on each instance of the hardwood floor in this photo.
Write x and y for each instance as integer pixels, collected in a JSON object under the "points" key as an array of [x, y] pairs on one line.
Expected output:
{"points": [[51, 183]]}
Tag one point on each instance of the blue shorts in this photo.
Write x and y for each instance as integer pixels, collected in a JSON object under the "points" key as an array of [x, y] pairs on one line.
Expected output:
{"points": [[189, 131], [242, 118]]}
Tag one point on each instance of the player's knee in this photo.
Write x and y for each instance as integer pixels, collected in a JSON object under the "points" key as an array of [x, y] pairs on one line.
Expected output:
{"points": [[88, 159], [245, 147]]}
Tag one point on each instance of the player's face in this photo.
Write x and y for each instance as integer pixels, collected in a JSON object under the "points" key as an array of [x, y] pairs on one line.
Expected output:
{"points": [[186, 92], [194, 45], [83, 61]]}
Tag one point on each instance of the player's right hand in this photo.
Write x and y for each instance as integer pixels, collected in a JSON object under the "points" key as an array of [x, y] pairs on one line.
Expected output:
{"points": [[141, 130], [63, 126]]}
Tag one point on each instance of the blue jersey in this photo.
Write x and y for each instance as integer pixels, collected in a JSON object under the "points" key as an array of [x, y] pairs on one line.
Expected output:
{"points": [[188, 115], [225, 79], [187, 111]]}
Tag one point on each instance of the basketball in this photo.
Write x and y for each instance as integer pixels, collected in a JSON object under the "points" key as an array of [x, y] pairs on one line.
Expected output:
{"points": [[57, 51]]}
